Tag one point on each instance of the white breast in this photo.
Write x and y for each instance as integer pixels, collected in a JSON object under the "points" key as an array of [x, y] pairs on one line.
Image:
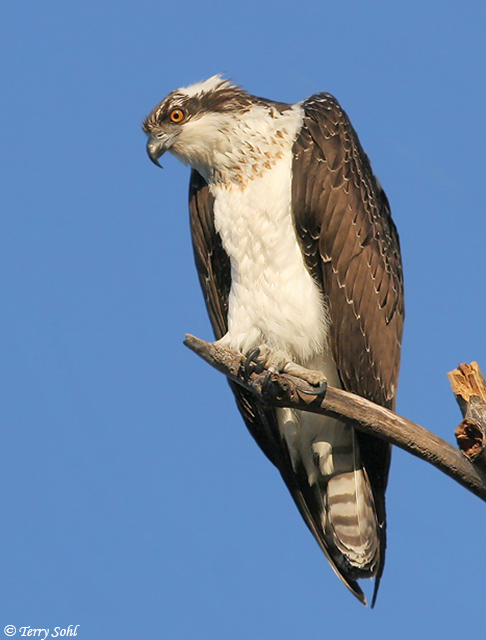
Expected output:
{"points": [[273, 298]]}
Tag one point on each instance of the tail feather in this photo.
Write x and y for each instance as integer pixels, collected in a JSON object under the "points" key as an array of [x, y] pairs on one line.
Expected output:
{"points": [[325, 454], [350, 520]]}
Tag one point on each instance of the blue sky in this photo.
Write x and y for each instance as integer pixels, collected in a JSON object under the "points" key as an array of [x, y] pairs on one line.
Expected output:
{"points": [[134, 502]]}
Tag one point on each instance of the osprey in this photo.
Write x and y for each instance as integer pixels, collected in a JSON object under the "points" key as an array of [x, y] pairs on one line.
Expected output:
{"points": [[299, 262]]}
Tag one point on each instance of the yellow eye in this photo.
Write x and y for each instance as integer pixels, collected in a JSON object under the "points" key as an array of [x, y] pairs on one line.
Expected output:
{"points": [[177, 115]]}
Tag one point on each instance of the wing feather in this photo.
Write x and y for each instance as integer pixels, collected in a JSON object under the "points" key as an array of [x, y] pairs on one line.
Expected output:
{"points": [[355, 258], [358, 249]]}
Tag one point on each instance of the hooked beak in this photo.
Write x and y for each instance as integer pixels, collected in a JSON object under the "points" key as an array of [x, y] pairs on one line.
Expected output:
{"points": [[158, 145], [155, 148]]}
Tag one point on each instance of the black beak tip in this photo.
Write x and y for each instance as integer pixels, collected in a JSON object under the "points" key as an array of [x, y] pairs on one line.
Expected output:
{"points": [[155, 161]]}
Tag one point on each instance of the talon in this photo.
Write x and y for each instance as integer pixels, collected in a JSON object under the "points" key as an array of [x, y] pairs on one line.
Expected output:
{"points": [[319, 391], [251, 363]]}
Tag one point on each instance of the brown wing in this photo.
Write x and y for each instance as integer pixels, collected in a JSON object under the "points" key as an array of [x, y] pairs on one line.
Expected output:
{"points": [[212, 261], [351, 247]]}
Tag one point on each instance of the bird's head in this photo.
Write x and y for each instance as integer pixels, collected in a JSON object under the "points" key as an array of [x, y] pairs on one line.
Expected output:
{"points": [[195, 122]]}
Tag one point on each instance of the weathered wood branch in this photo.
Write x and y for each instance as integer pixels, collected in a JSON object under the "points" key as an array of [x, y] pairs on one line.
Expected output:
{"points": [[285, 390], [469, 387]]}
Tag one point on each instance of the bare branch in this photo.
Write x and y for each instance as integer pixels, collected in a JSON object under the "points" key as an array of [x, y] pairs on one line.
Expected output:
{"points": [[285, 390], [469, 387]]}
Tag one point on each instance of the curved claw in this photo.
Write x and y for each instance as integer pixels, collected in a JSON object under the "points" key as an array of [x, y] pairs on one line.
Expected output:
{"points": [[319, 391], [251, 363]]}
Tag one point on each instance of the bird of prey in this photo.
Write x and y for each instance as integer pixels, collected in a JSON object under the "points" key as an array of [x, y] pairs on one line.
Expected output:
{"points": [[299, 262]]}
